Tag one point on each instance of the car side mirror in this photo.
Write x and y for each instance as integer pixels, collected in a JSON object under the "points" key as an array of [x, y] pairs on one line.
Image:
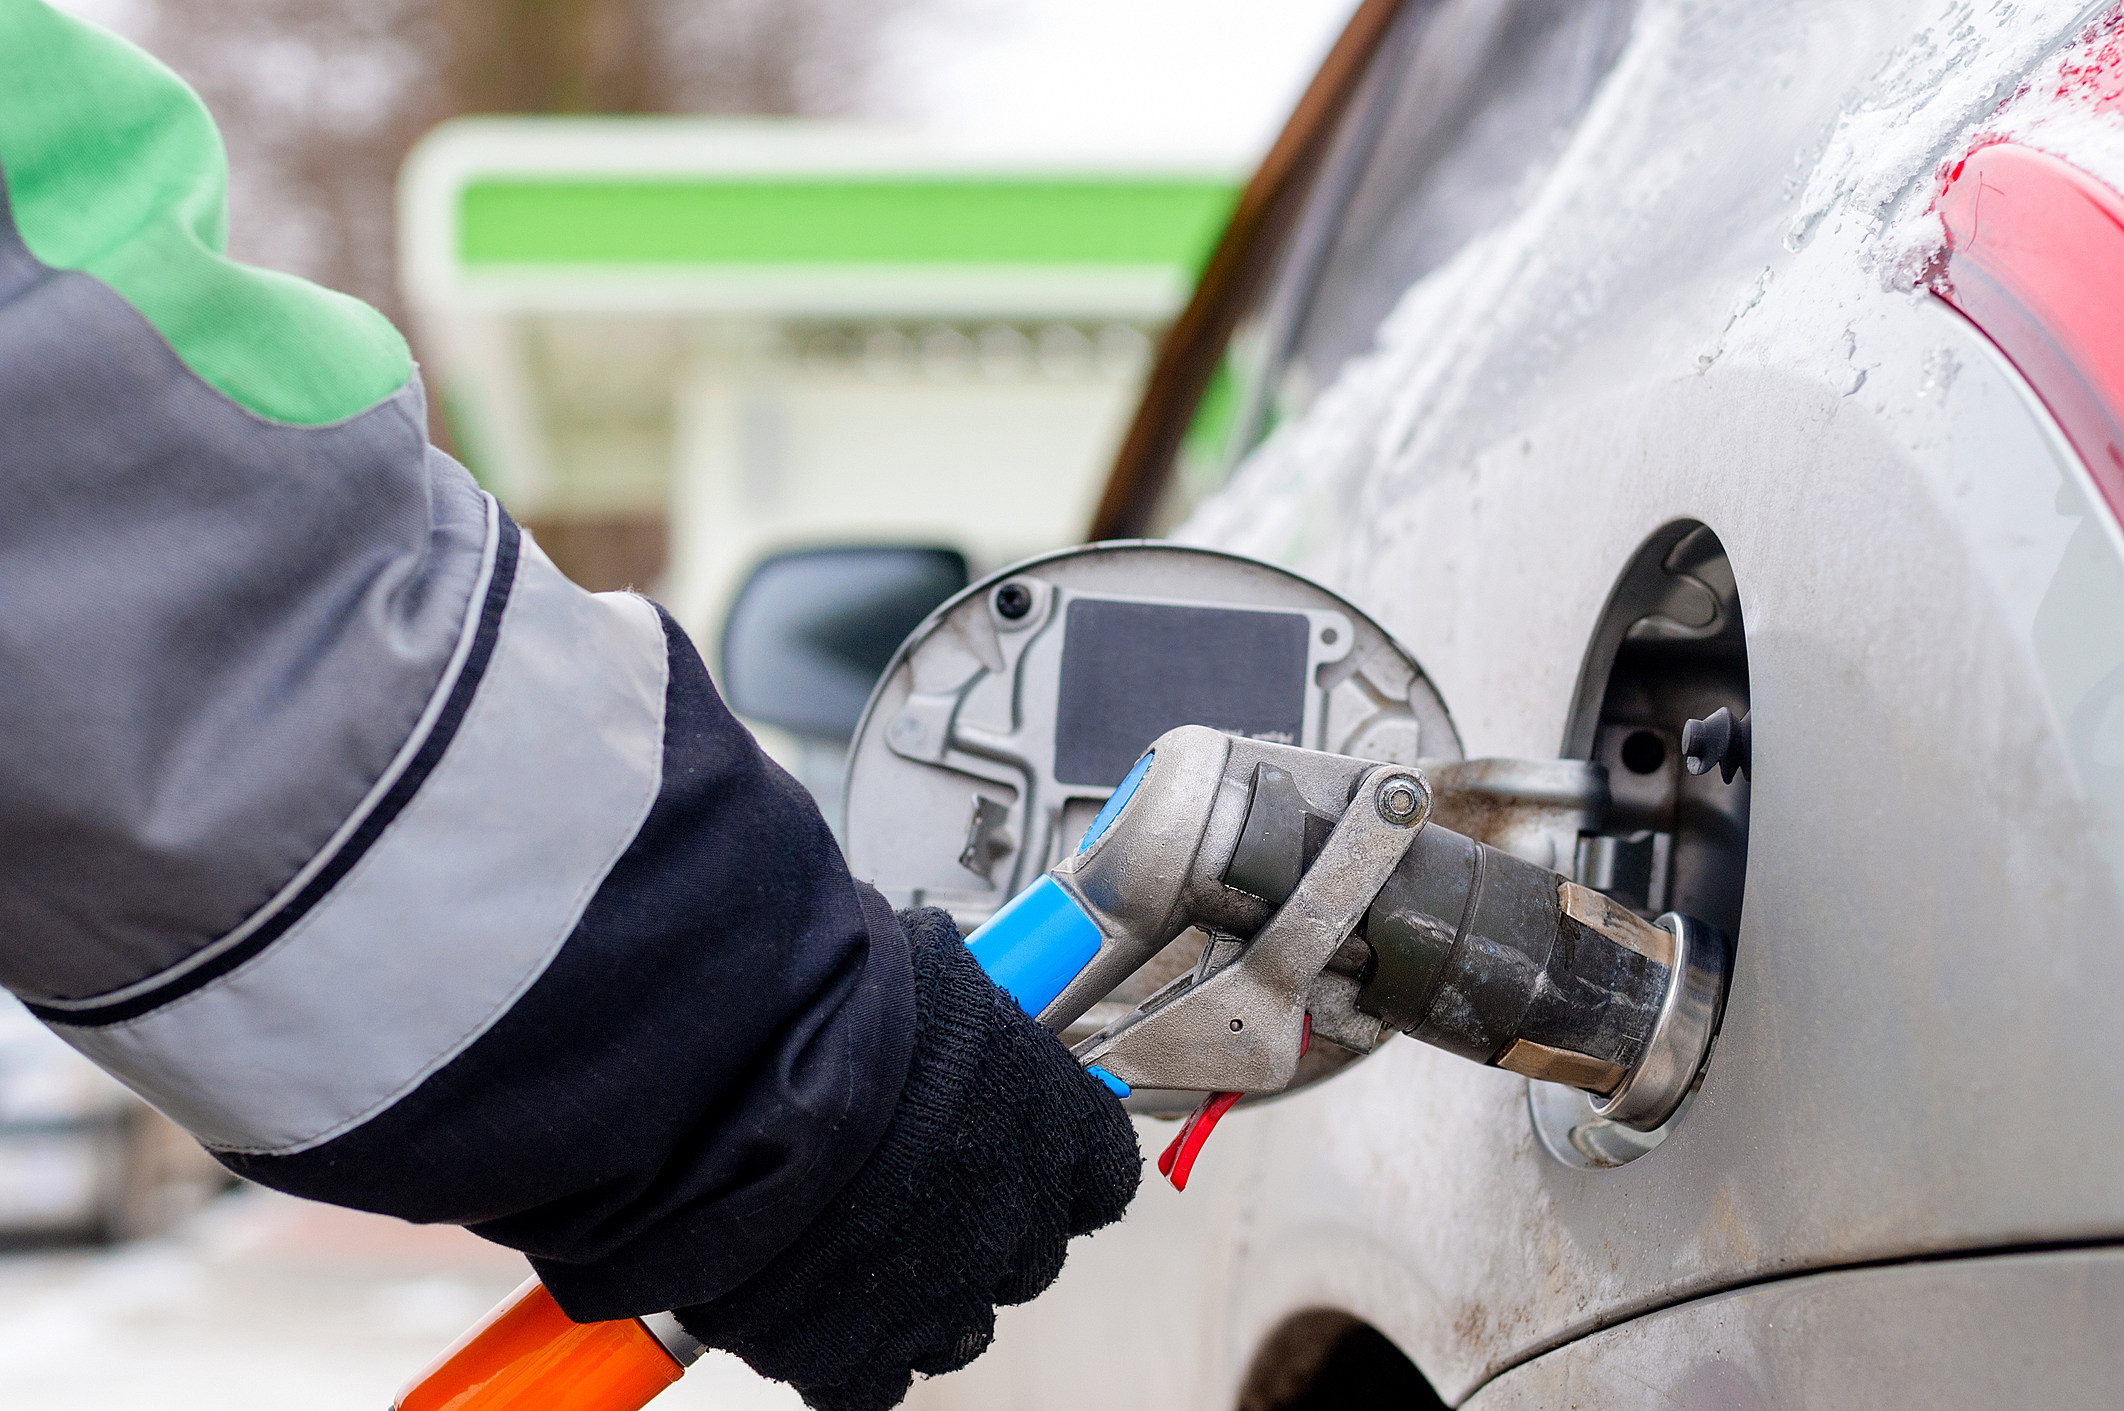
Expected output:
{"points": [[811, 630]]}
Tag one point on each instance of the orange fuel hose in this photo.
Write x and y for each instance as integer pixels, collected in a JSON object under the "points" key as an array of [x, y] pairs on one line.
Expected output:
{"points": [[527, 1355]]}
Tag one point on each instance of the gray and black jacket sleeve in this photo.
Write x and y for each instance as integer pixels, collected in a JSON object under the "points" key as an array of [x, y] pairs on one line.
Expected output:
{"points": [[338, 823]]}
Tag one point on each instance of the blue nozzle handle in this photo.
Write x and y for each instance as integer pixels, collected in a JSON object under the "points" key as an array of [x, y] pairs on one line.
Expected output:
{"points": [[1036, 944]]}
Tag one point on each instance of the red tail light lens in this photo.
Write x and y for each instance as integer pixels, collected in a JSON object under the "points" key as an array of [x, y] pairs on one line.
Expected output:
{"points": [[2035, 259]]}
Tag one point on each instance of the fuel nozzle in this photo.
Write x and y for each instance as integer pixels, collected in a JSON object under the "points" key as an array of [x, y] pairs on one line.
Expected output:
{"points": [[1488, 956], [1334, 905]]}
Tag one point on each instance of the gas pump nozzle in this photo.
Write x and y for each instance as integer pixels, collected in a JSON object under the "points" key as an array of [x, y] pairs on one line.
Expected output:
{"points": [[1335, 906]]}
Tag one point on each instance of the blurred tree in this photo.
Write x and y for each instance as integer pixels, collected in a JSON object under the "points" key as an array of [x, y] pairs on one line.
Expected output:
{"points": [[320, 99]]}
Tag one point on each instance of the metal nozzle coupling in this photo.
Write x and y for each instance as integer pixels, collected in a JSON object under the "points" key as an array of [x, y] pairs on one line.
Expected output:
{"points": [[1491, 957], [1338, 905]]}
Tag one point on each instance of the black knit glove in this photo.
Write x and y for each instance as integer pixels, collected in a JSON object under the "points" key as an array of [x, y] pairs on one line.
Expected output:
{"points": [[1001, 1149]]}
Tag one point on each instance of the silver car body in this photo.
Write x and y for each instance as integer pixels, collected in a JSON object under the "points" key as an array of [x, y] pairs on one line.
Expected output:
{"points": [[1899, 1183]]}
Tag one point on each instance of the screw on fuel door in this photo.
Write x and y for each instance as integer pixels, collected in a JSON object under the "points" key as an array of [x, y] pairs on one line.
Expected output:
{"points": [[1013, 601]]}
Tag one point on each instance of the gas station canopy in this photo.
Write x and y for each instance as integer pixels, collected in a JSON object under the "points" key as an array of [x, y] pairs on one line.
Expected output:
{"points": [[672, 345]]}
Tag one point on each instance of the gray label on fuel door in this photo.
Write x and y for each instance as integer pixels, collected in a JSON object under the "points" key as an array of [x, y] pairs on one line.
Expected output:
{"points": [[1132, 671]]}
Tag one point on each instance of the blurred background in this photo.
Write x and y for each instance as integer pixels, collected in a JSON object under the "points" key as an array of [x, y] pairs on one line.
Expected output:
{"points": [[700, 288]]}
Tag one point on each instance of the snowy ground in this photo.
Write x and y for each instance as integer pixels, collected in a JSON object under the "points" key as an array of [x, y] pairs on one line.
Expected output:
{"points": [[266, 1302]]}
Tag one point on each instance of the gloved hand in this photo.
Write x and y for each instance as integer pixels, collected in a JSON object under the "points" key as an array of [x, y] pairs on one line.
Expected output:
{"points": [[1000, 1151]]}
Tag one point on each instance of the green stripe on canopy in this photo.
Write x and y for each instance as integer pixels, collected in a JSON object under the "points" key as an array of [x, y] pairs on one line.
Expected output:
{"points": [[923, 221]]}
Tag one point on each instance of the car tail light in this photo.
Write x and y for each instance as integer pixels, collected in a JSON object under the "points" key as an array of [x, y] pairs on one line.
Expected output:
{"points": [[2035, 259]]}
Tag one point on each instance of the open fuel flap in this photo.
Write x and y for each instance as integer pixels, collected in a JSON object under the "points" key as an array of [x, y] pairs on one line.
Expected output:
{"points": [[1215, 830], [1007, 719]]}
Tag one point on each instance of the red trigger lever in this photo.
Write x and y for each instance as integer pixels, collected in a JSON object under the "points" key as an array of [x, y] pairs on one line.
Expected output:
{"points": [[1177, 1161]]}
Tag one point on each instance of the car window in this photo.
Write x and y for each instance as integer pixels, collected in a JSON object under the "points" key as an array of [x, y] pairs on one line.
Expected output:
{"points": [[1466, 107]]}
